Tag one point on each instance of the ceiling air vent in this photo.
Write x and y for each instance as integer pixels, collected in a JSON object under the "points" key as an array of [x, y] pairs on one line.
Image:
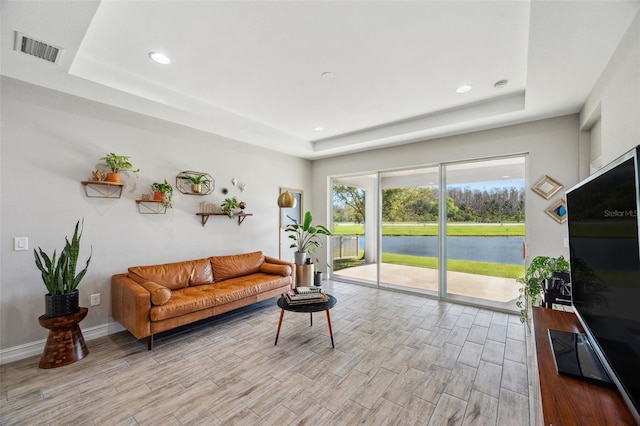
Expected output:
{"points": [[39, 49]]}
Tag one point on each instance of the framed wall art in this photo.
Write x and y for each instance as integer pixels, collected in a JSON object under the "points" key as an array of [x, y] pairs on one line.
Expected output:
{"points": [[546, 187], [558, 211]]}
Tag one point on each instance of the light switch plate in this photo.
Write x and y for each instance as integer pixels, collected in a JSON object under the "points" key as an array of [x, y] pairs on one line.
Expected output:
{"points": [[20, 244], [95, 299]]}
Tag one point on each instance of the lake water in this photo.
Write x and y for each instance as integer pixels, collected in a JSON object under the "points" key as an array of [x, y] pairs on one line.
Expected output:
{"points": [[484, 249]]}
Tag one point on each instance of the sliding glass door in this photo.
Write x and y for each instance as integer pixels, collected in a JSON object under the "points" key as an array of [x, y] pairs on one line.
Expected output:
{"points": [[409, 231], [354, 245], [400, 229], [484, 231]]}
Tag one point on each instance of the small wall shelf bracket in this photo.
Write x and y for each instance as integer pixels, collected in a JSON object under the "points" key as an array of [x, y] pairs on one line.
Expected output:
{"points": [[204, 217], [102, 189], [151, 207]]}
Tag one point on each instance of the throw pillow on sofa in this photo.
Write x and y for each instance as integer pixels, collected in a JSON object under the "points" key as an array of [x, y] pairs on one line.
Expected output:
{"points": [[159, 294], [273, 269]]}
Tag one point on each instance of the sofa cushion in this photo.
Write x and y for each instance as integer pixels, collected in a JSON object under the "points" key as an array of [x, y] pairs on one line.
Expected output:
{"points": [[159, 294], [191, 299], [273, 269], [174, 276], [202, 273], [237, 265], [251, 285], [185, 301]]}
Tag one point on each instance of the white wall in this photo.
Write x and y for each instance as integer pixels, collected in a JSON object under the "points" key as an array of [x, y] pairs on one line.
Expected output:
{"points": [[552, 147], [616, 99], [52, 141]]}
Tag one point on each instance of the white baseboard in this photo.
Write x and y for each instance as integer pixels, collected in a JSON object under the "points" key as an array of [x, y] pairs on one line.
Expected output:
{"points": [[27, 350]]}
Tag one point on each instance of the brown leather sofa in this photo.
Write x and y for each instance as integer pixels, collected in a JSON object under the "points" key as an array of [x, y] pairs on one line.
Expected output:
{"points": [[150, 299]]}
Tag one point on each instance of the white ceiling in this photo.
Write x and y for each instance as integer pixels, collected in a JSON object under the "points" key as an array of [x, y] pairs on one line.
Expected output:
{"points": [[252, 71]]}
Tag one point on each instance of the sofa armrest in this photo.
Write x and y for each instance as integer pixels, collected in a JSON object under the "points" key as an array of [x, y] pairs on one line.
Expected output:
{"points": [[269, 259], [131, 305]]}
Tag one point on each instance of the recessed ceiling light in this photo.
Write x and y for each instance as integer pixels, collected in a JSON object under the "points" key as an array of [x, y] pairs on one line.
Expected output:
{"points": [[463, 89], [501, 84], [505, 177], [160, 58], [318, 128]]}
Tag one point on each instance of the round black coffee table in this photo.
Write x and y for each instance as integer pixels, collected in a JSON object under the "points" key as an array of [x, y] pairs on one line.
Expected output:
{"points": [[310, 308]]}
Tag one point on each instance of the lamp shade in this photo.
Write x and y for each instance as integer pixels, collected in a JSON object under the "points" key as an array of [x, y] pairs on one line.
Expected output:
{"points": [[286, 200]]}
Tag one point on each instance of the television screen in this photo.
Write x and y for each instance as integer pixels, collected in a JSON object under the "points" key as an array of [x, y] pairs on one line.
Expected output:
{"points": [[605, 269]]}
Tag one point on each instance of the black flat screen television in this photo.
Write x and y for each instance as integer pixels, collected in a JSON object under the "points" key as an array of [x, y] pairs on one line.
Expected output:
{"points": [[603, 223]]}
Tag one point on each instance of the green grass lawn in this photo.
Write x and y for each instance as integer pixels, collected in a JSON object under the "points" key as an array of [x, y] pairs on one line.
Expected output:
{"points": [[468, 266], [454, 230]]}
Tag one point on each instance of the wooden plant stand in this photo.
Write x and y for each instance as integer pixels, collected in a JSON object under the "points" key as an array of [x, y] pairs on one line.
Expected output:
{"points": [[65, 344]]}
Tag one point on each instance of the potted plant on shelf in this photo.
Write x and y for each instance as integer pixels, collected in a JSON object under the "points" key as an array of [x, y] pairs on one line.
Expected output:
{"points": [[59, 276], [162, 191], [197, 182], [228, 206], [305, 236], [540, 274], [117, 164]]}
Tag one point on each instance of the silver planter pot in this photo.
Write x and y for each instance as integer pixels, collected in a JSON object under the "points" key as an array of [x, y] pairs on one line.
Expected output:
{"points": [[300, 257]]}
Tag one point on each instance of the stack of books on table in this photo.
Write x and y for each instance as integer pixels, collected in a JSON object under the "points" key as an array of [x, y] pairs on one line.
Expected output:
{"points": [[305, 295]]}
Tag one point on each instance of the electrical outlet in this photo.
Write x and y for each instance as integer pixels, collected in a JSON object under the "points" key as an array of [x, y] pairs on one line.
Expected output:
{"points": [[95, 299]]}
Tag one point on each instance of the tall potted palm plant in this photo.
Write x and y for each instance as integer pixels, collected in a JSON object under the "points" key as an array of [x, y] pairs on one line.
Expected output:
{"points": [[305, 236], [59, 276]]}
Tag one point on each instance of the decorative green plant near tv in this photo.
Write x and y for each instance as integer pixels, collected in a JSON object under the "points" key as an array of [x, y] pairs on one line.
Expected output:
{"points": [[305, 236], [541, 268], [59, 275]]}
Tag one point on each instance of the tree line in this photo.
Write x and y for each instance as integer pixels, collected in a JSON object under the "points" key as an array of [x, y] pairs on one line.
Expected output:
{"points": [[495, 205]]}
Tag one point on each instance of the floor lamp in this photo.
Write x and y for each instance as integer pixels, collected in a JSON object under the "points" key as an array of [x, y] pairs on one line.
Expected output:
{"points": [[286, 200]]}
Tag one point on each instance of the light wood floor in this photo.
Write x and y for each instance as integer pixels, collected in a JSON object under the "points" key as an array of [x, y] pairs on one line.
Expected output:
{"points": [[399, 359]]}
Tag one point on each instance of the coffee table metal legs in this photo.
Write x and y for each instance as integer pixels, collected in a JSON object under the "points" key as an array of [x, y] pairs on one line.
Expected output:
{"points": [[279, 325], [330, 330], [310, 324]]}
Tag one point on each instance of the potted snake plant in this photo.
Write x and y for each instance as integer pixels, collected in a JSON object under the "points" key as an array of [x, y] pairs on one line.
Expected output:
{"points": [[59, 275]]}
